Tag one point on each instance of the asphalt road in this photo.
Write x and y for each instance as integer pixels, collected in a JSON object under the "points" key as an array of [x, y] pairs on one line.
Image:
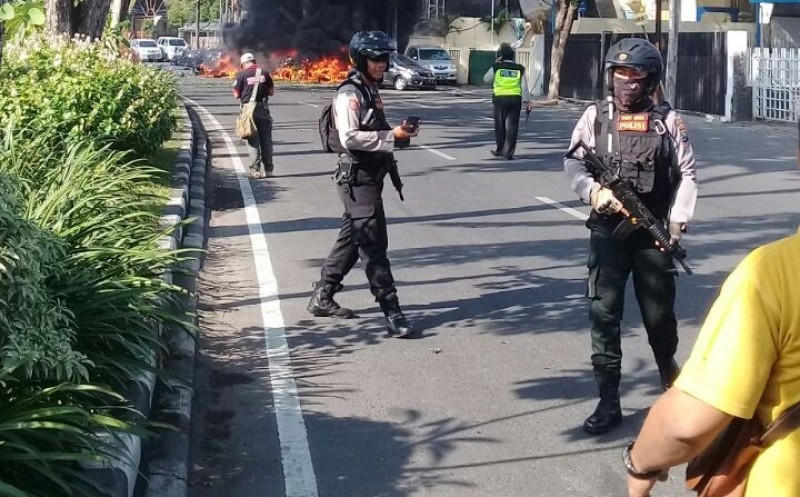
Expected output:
{"points": [[491, 401]]}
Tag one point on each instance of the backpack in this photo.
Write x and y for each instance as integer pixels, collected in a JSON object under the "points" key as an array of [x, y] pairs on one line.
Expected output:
{"points": [[328, 135]]}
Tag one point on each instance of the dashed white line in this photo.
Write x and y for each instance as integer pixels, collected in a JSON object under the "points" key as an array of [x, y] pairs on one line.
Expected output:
{"points": [[486, 118], [558, 205], [437, 152], [313, 105], [298, 470]]}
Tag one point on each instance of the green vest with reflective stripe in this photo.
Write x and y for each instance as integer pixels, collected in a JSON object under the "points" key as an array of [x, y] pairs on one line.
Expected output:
{"points": [[507, 82]]}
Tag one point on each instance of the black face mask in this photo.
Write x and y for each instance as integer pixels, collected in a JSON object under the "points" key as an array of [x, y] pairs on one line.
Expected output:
{"points": [[631, 94]]}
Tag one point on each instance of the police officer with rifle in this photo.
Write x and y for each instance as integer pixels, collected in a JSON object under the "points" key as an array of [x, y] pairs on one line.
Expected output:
{"points": [[365, 143], [631, 160]]}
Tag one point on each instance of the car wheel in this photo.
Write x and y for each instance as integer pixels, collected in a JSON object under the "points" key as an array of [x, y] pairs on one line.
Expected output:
{"points": [[400, 83]]}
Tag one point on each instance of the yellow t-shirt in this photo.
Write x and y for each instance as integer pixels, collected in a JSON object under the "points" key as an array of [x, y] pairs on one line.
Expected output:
{"points": [[747, 357]]}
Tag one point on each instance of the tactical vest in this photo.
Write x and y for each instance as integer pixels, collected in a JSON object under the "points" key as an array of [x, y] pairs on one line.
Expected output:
{"points": [[376, 122], [642, 153], [507, 79]]}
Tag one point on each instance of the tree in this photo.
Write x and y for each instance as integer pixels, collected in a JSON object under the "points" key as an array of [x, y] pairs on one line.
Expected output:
{"points": [[2, 32], [87, 17], [183, 12], [564, 18], [119, 11]]}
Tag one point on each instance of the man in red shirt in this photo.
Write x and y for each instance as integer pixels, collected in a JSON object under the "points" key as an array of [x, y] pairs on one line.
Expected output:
{"points": [[260, 145]]}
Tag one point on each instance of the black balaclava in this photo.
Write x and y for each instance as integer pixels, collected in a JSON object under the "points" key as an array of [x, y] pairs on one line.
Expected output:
{"points": [[631, 95]]}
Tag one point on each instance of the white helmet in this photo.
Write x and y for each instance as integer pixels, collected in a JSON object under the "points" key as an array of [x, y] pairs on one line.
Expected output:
{"points": [[247, 57]]}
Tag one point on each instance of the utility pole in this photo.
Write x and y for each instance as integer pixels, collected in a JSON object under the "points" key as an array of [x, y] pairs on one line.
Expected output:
{"points": [[672, 50], [197, 26], [492, 28], [657, 41]]}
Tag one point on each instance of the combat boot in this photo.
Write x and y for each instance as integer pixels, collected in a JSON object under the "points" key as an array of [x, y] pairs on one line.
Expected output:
{"points": [[608, 413], [323, 305], [668, 372], [396, 322]]}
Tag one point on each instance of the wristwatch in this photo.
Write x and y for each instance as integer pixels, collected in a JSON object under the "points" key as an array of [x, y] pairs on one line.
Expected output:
{"points": [[643, 475]]}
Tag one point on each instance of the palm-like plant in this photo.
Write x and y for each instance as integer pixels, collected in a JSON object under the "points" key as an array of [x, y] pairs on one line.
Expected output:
{"points": [[100, 273], [46, 432]]}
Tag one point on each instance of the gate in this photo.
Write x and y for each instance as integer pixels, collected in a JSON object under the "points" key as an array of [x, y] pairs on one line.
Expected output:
{"points": [[775, 77], [702, 68]]}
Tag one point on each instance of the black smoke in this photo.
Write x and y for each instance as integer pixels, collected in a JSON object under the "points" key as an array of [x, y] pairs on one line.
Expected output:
{"points": [[312, 27]]}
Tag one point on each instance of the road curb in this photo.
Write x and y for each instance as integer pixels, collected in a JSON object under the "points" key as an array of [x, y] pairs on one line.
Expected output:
{"points": [[164, 470], [157, 466], [123, 475]]}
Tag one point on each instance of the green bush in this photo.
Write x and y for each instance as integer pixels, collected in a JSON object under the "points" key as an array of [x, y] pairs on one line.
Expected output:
{"points": [[82, 299], [112, 287], [72, 89], [37, 331]]}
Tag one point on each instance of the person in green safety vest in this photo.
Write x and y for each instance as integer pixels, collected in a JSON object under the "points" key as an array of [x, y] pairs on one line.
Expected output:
{"points": [[510, 90]]}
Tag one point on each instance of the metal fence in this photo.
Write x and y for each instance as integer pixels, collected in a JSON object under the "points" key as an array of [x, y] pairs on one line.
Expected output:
{"points": [[702, 68], [775, 78]]}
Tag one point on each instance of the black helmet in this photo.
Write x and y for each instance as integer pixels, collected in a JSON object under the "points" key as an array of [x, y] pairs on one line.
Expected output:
{"points": [[505, 52], [635, 53], [374, 45]]}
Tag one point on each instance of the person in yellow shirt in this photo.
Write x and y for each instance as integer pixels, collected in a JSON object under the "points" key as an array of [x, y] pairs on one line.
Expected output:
{"points": [[745, 363]]}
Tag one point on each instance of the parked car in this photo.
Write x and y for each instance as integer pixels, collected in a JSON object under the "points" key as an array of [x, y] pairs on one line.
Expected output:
{"points": [[404, 73], [172, 46], [437, 60], [146, 49]]}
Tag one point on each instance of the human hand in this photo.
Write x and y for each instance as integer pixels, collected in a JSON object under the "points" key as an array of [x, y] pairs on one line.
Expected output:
{"points": [[402, 133], [638, 487], [676, 230], [604, 201]]}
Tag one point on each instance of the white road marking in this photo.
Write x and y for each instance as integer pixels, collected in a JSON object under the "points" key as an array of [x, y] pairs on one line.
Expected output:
{"points": [[436, 152], [417, 104], [298, 470], [313, 105], [558, 205], [486, 118]]}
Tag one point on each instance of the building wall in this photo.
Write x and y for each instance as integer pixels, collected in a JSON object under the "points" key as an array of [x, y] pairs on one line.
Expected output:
{"points": [[784, 32]]}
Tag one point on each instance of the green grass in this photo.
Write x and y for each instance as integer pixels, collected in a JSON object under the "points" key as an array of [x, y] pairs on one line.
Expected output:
{"points": [[164, 161]]}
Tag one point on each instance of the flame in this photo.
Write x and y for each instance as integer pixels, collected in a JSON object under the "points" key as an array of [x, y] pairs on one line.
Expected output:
{"points": [[223, 67], [328, 69]]}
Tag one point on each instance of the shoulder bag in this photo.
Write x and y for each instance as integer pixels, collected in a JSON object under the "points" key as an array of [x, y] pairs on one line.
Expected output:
{"points": [[245, 125], [721, 470]]}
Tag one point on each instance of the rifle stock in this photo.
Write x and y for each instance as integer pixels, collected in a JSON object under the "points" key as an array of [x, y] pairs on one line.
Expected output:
{"points": [[636, 214]]}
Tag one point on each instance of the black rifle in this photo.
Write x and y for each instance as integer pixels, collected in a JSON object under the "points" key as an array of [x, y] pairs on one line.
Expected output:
{"points": [[527, 115], [394, 175], [636, 214]]}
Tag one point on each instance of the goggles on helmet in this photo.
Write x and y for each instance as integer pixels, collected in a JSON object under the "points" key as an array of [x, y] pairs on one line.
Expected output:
{"points": [[377, 55]]}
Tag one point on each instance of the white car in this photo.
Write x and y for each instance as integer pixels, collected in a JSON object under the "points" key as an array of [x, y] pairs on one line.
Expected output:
{"points": [[171, 46], [146, 49], [437, 60]]}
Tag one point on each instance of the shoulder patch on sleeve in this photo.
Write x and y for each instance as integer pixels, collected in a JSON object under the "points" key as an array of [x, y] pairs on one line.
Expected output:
{"points": [[353, 103], [683, 132]]}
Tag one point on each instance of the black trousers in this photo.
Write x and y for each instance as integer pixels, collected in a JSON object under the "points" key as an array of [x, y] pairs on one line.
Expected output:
{"points": [[363, 235], [260, 145], [611, 261], [506, 123]]}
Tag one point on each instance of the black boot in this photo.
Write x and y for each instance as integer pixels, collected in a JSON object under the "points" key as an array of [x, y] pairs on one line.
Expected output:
{"points": [[396, 322], [323, 305], [668, 371], [608, 413]]}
